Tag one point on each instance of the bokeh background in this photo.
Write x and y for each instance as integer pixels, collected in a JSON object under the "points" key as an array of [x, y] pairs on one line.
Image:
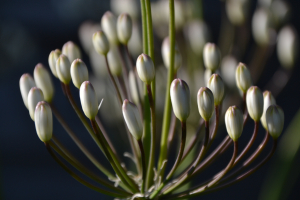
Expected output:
{"points": [[29, 30]]}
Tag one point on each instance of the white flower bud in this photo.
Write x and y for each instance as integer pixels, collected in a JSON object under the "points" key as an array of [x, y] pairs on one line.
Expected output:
{"points": [[109, 26], [26, 83], [211, 56], [43, 121], [234, 122], [205, 100], [145, 68], [180, 98], [237, 11], [35, 95], [165, 49], [124, 28], [100, 42], [133, 87], [88, 99], [133, 119], [255, 103], [228, 68], [71, 50], [268, 101], [79, 72], [114, 61], [243, 77], [63, 69], [275, 120], [53, 56], [43, 81], [216, 85]]}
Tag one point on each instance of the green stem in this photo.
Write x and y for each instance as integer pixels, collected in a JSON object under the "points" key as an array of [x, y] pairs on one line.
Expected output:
{"points": [[143, 165]]}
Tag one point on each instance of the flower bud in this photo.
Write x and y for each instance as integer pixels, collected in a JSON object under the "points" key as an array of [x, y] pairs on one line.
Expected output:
{"points": [[165, 49], [237, 11], [43, 81], [205, 100], [180, 98], [274, 120], [133, 88], [79, 72], [145, 68], [63, 69], [228, 68], [216, 85], [109, 26], [234, 122], [268, 101], [53, 56], [124, 28], [88, 99], [114, 61], [255, 103], [133, 119], [43, 121], [243, 77], [35, 95], [71, 50], [100, 42], [211, 56], [26, 83]]}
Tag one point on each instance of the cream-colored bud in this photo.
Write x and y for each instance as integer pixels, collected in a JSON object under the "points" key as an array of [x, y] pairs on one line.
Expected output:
{"points": [[237, 11], [53, 56], [180, 98], [43, 121], [275, 120], [243, 77], [165, 49], [234, 122], [133, 119], [255, 103], [63, 66], [35, 95], [79, 72], [211, 56], [100, 42], [145, 68], [205, 100], [71, 50], [44, 82], [114, 61], [124, 28], [268, 101], [88, 99], [133, 88], [109, 26], [26, 83], [216, 85]]}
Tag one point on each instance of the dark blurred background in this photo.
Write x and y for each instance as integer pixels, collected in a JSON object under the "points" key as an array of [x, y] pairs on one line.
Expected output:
{"points": [[29, 30]]}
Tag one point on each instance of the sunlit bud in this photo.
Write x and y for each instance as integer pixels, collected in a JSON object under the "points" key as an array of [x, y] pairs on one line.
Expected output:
{"points": [[124, 28], [228, 67], [180, 98], [165, 49], [63, 69], [275, 120], [234, 122], [268, 101], [26, 83], [109, 26], [216, 85], [114, 61], [43, 81], [237, 11], [133, 119], [88, 99], [53, 56], [71, 50], [133, 87], [255, 103], [145, 68], [287, 46], [211, 56], [35, 95], [43, 121], [100, 42], [79, 72], [205, 100], [243, 77]]}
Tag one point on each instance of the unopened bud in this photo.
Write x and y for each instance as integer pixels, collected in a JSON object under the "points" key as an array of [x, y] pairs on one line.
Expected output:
{"points": [[109, 26], [275, 120], [114, 61], [26, 83], [243, 77], [205, 100], [124, 27], [71, 50], [145, 68], [53, 56], [255, 103], [268, 101], [79, 72], [211, 56], [43, 81], [237, 11], [216, 85], [100, 42], [165, 49], [63, 69], [180, 98], [43, 121], [35, 95], [88, 99], [133, 87], [234, 122]]}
